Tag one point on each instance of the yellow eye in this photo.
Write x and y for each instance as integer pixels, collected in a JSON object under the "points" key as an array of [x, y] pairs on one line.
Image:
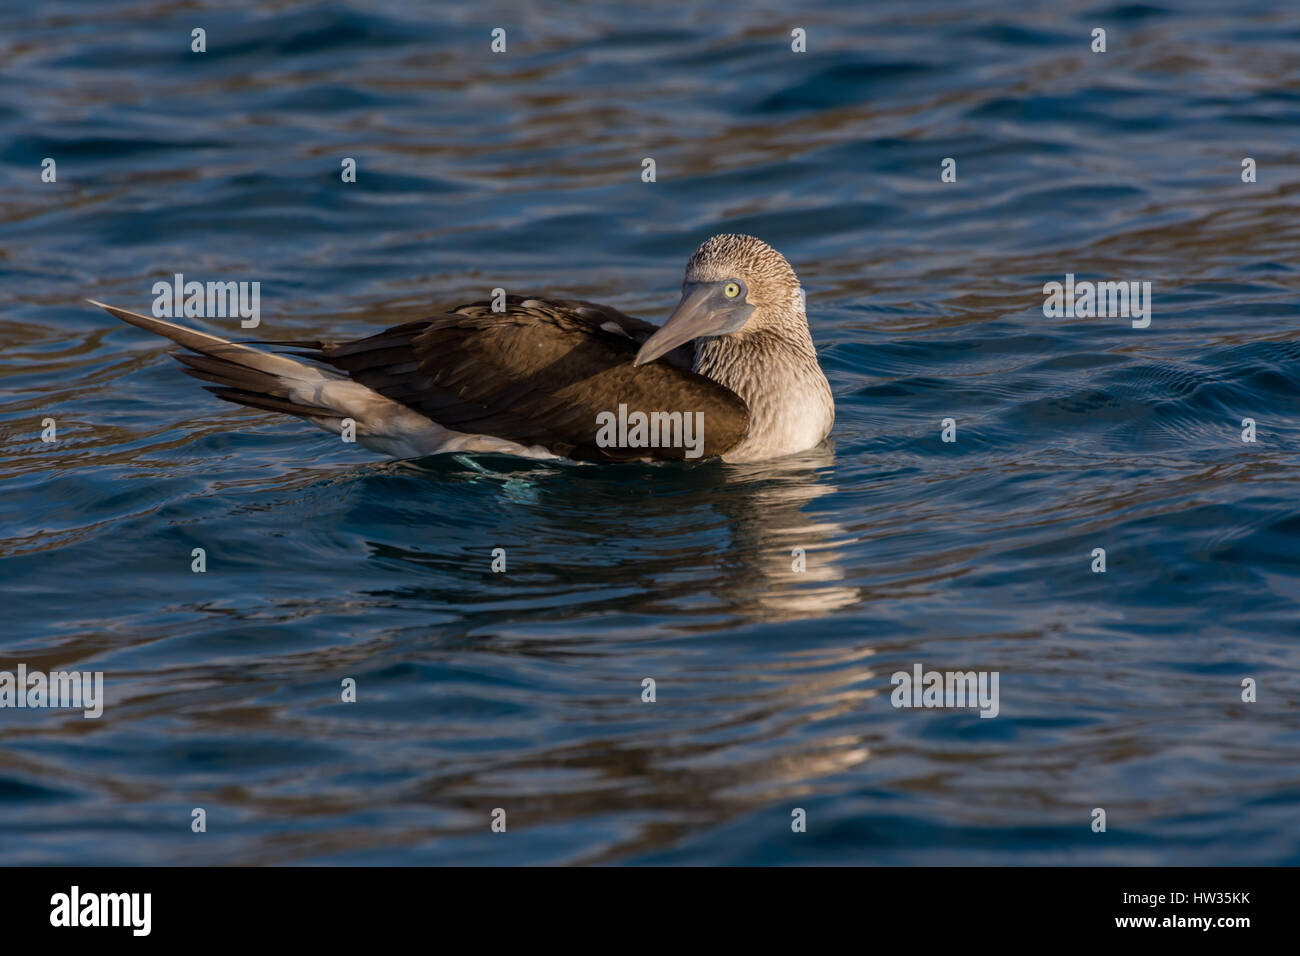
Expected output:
{"points": [[731, 290]]}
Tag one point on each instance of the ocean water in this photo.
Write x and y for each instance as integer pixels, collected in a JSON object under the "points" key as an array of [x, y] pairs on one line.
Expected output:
{"points": [[522, 691]]}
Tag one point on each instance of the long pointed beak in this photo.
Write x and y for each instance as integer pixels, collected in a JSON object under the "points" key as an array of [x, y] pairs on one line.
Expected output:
{"points": [[698, 314]]}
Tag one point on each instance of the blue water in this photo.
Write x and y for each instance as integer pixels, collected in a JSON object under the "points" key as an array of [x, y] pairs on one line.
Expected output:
{"points": [[522, 691]]}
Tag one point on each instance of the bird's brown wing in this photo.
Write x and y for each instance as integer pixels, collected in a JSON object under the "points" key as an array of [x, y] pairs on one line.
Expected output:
{"points": [[538, 373]]}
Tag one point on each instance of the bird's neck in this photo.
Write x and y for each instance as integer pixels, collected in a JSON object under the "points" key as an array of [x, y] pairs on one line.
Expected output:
{"points": [[775, 372]]}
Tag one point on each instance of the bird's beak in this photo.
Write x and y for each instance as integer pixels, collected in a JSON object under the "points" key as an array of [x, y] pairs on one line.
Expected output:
{"points": [[704, 310]]}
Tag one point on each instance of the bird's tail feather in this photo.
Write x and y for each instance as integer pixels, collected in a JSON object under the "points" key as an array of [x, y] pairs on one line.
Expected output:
{"points": [[244, 386], [324, 396], [245, 375]]}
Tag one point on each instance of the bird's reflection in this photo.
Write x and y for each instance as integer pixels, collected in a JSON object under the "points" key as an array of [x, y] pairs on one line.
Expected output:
{"points": [[744, 540], [788, 562]]}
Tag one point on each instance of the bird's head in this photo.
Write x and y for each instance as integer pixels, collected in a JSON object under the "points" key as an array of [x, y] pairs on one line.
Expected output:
{"points": [[732, 283]]}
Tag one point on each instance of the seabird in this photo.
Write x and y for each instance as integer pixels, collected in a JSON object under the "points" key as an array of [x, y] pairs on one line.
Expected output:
{"points": [[539, 378]]}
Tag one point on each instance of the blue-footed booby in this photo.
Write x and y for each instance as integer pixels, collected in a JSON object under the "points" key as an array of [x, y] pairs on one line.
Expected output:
{"points": [[731, 374]]}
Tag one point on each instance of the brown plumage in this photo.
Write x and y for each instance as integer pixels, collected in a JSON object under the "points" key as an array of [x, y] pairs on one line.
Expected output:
{"points": [[538, 373]]}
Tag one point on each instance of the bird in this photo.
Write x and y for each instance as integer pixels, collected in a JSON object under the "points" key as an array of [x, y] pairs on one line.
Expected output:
{"points": [[733, 373]]}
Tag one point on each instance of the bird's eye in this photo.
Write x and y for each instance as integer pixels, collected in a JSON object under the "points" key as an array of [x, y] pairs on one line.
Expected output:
{"points": [[731, 290]]}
